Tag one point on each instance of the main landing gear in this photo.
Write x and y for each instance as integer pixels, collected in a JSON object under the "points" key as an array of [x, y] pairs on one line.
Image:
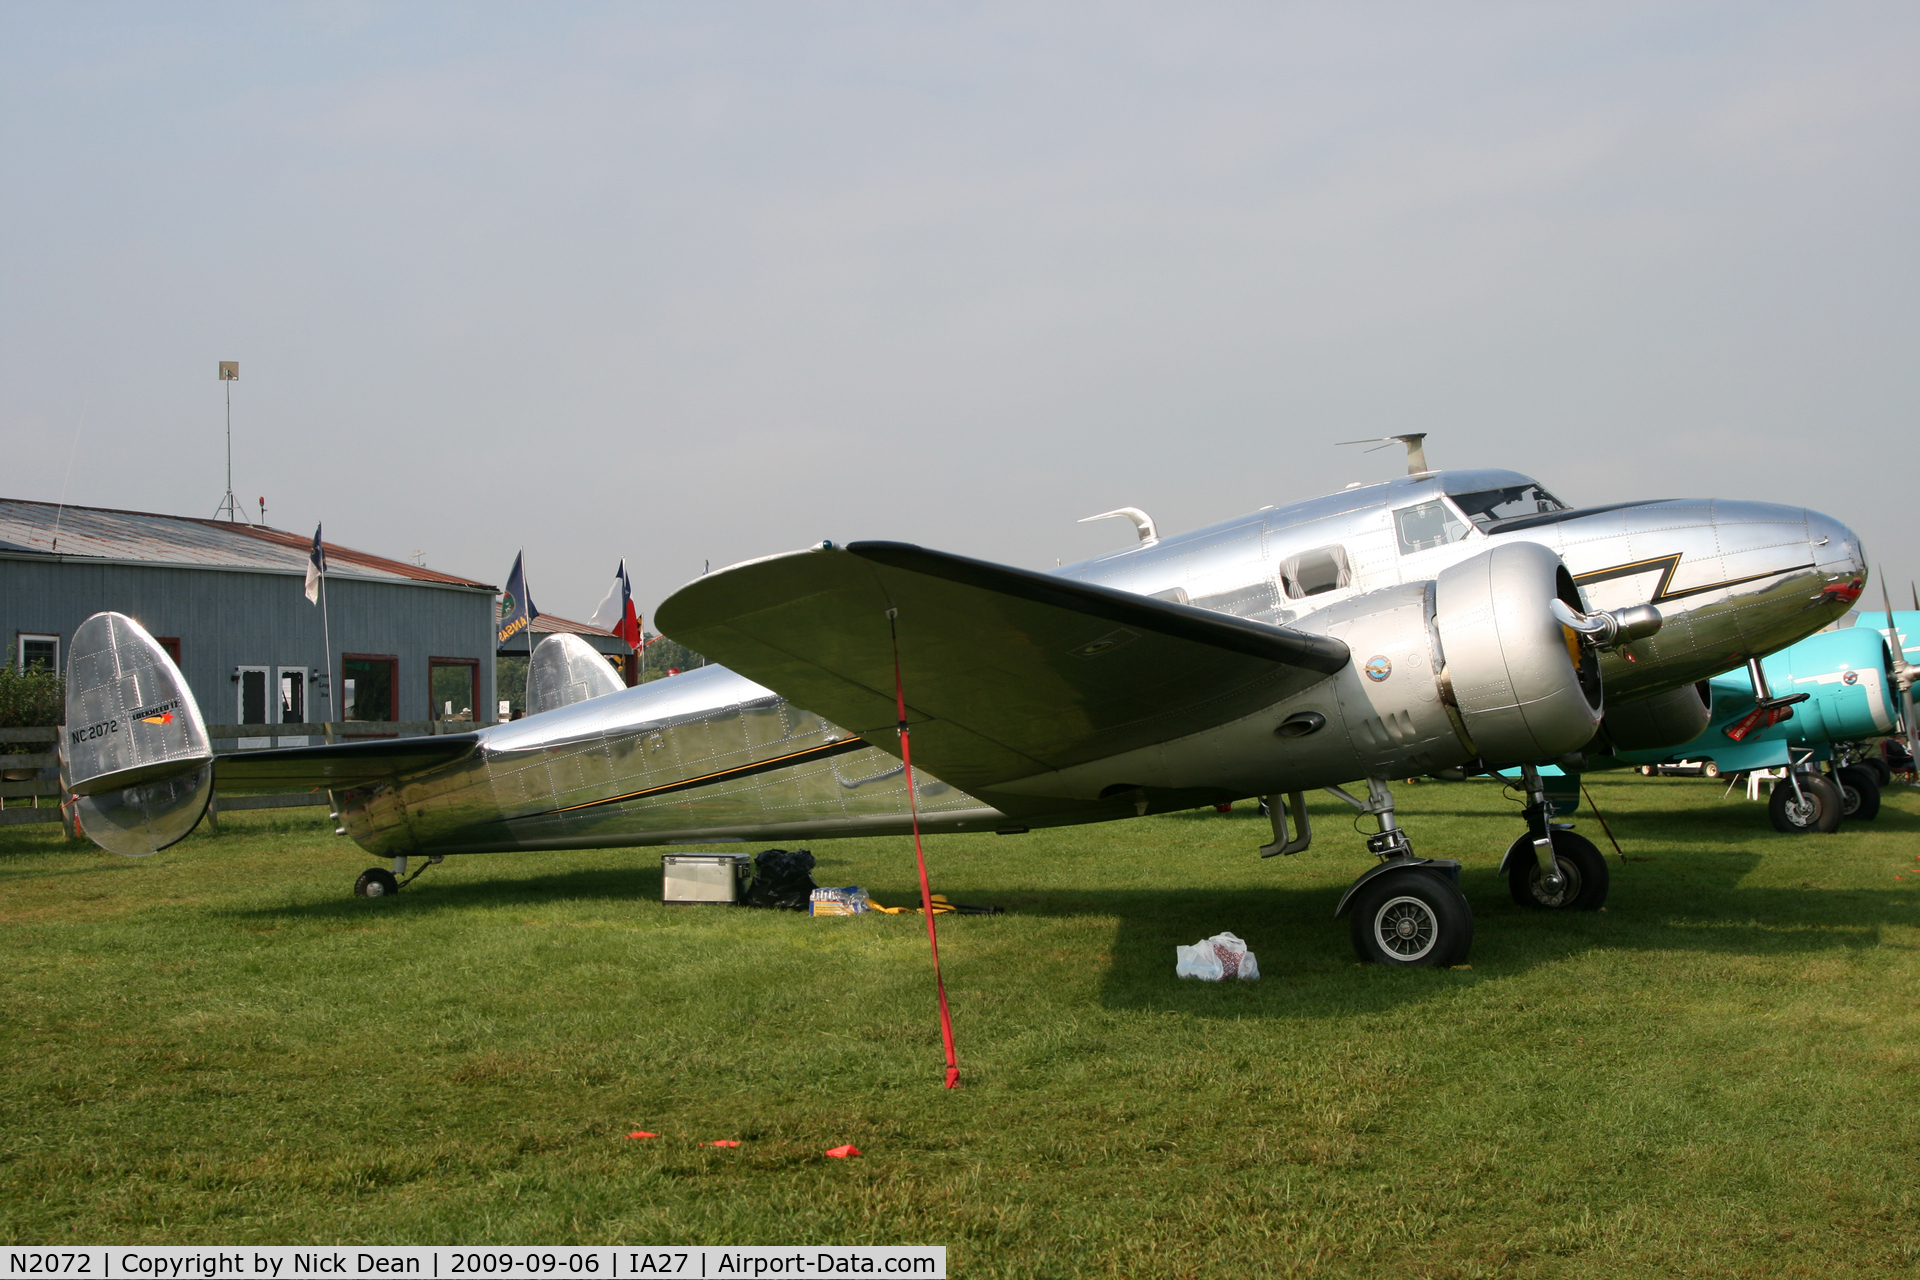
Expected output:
{"points": [[1406, 911], [378, 882], [1551, 867]]}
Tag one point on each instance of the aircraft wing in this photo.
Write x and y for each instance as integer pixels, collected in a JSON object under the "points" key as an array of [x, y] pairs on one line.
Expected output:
{"points": [[1008, 673], [340, 764]]}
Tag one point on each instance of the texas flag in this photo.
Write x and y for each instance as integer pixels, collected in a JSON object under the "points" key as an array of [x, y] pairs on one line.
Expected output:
{"points": [[316, 565], [616, 613]]}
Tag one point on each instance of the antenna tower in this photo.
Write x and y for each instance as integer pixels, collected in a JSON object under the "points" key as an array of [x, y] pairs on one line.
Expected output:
{"points": [[230, 374]]}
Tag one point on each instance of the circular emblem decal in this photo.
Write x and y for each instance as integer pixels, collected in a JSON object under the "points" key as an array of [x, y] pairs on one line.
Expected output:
{"points": [[1852, 677], [1378, 667]]}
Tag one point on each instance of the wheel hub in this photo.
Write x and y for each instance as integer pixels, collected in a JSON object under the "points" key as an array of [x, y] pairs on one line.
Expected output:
{"points": [[1406, 927]]}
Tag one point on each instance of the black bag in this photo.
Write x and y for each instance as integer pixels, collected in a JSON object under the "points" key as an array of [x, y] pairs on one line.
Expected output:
{"points": [[782, 878]]}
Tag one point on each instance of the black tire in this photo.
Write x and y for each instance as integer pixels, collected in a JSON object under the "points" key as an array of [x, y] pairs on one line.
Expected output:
{"points": [[1817, 807], [1412, 919], [1878, 768], [375, 882], [1584, 878], [1859, 793]]}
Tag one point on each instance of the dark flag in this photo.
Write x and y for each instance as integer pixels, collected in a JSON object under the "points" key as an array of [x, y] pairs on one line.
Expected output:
{"points": [[516, 609], [316, 566]]}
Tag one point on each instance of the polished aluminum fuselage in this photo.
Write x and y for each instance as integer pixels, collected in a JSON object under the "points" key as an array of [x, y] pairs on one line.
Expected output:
{"points": [[710, 757]]}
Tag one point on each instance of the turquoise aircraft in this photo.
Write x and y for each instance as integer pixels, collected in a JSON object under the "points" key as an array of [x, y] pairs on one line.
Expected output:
{"points": [[1843, 689]]}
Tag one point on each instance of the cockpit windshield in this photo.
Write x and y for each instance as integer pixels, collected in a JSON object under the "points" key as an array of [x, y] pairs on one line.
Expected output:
{"points": [[1489, 505]]}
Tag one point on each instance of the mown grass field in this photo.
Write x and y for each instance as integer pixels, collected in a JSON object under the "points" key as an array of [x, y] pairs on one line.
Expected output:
{"points": [[1719, 1075]]}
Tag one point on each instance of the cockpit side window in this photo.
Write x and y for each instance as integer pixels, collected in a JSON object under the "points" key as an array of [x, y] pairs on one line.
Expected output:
{"points": [[1312, 572], [1489, 505], [1427, 525]]}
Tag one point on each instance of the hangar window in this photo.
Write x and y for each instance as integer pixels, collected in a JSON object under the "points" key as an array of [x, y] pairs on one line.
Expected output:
{"points": [[1312, 572], [1428, 525], [293, 695], [368, 685], [455, 686], [39, 653]]}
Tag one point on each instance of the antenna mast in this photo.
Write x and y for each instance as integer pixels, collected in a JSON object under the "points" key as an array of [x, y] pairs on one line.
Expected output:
{"points": [[1416, 451], [230, 374]]}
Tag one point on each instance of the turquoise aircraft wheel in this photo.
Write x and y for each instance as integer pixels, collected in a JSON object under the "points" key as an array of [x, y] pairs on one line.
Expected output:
{"points": [[1815, 806], [1859, 793], [1584, 878]]}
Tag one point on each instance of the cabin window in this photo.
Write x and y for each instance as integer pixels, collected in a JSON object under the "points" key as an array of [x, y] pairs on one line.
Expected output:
{"points": [[39, 653], [368, 684], [1428, 525], [1489, 505], [455, 686], [252, 705], [1312, 572]]}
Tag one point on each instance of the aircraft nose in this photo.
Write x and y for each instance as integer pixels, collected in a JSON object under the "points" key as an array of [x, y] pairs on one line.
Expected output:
{"points": [[1836, 548]]}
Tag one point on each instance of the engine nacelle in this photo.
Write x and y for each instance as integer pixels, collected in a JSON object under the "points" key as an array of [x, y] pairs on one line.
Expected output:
{"points": [[1525, 686], [1664, 720]]}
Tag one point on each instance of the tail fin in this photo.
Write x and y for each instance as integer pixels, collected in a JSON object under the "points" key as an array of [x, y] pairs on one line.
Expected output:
{"points": [[138, 758], [565, 670]]}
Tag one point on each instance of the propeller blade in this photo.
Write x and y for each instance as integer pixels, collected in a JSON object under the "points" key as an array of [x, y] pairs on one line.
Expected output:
{"points": [[1915, 588], [1901, 670]]}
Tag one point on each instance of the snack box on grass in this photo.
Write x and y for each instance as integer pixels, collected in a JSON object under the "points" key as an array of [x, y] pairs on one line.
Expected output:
{"points": [[704, 877]]}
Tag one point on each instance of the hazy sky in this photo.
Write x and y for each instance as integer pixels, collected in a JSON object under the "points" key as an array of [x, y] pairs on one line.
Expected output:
{"points": [[692, 282]]}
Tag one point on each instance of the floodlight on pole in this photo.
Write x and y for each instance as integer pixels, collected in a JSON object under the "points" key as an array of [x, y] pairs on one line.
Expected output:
{"points": [[230, 374]]}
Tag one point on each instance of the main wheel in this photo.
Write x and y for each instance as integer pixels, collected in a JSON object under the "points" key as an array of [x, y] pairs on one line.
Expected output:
{"points": [[1816, 807], [1878, 768], [375, 882], [1584, 878], [1412, 919], [1859, 793]]}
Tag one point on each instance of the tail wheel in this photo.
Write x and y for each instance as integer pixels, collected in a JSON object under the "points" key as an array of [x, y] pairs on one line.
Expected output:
{"points": [[1584, 878], [1814, 806], [375, 882], [1412, 919], [1859, 793]]}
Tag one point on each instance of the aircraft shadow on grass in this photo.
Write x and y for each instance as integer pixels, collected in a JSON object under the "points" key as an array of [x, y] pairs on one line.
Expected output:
{"points": [[1685, 894]]}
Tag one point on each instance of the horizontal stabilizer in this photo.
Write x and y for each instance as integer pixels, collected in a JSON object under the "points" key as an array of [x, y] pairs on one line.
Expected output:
{"points": [[566, 669], [342, 764], [1008, 673]]}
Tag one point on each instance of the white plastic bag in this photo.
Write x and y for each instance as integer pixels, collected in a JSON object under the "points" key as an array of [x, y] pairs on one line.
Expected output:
{"points": [[1215, 959]]}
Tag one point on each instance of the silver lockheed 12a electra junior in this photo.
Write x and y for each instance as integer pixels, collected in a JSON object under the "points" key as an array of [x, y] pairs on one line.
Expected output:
{"points": [[1446, 622]]}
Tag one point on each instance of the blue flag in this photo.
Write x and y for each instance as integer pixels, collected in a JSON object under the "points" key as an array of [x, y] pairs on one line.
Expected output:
{"points": [[516, 608]]}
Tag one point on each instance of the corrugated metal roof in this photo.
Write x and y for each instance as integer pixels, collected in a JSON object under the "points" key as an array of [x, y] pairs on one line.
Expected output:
{"points": [[104, 533]]}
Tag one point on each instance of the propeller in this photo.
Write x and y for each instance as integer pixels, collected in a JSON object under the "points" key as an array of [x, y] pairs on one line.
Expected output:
{"points": [[1903, 674]]}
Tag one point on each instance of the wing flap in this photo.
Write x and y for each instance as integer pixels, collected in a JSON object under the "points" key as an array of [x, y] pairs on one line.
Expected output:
{"points": [[1008, 673], [341, 764]]}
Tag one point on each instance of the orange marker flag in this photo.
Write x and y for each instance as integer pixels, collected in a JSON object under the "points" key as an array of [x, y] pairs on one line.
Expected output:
{"points": [[841, 1153], [642, 1133], [724, 1142]]}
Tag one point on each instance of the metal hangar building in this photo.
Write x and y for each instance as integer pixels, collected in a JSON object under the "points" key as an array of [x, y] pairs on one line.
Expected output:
{"points": [[227, 600]]}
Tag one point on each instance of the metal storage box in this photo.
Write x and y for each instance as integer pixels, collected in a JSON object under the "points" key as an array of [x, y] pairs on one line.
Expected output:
{"points": [[704, 877]]}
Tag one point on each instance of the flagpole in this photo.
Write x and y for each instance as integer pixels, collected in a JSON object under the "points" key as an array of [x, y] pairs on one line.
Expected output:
{"points": [[326, 631]]}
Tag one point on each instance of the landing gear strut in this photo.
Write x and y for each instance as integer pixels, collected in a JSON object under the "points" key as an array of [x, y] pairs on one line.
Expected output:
{"points": [[1407, 911], [1551, 867]]}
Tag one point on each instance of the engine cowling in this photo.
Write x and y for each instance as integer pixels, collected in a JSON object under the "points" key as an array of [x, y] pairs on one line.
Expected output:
{"points": [[1664, 720], [1524, 686]]}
